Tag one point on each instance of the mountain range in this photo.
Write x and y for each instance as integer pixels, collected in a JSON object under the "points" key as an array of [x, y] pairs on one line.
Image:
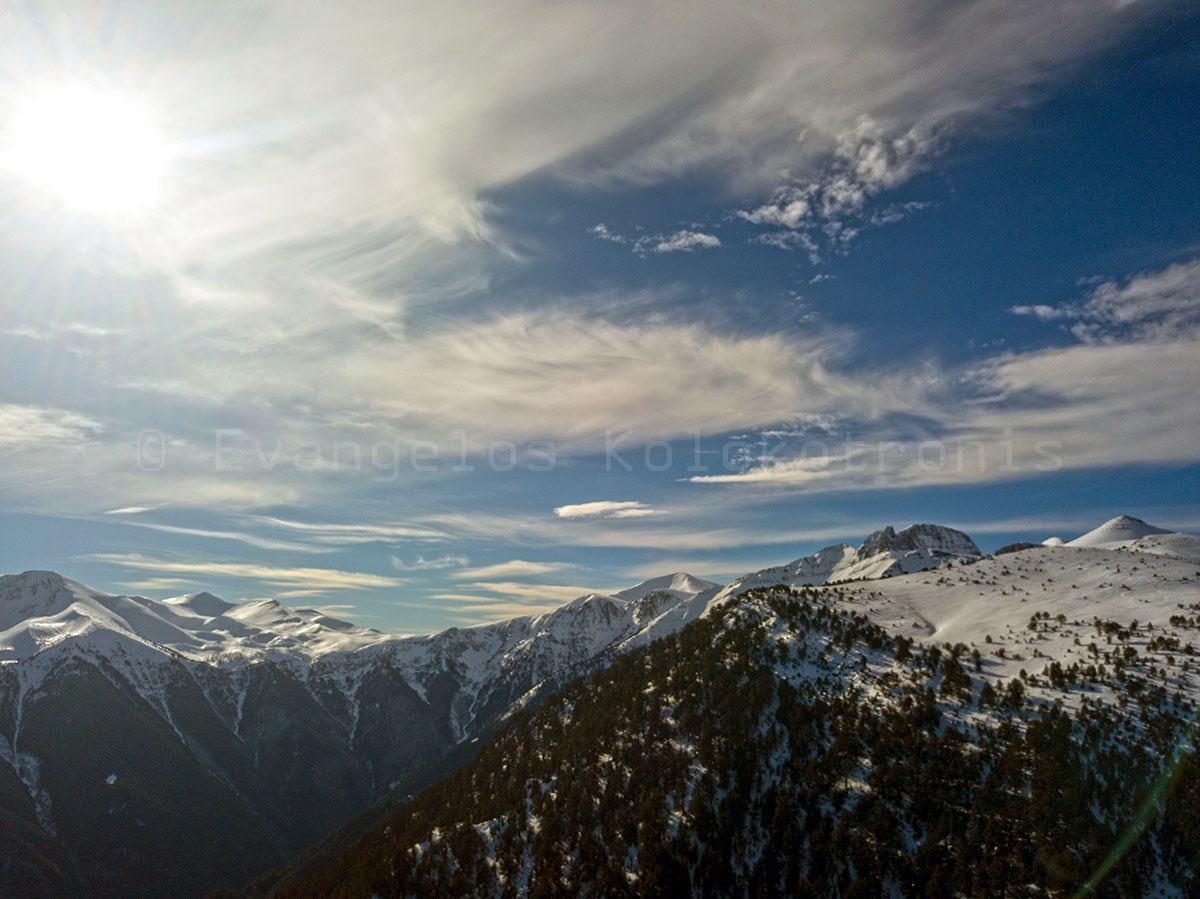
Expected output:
{"points": [[176, 747]]}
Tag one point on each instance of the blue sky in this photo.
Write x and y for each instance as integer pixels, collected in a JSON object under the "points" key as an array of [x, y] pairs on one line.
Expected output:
{"points": [[433, 315]]}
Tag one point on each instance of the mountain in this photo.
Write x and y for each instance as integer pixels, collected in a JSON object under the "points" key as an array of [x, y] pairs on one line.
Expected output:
{"points": [[276, 724], [1116, 532], [678, 584], [885, 553], [175, 747], [1023, 725]]}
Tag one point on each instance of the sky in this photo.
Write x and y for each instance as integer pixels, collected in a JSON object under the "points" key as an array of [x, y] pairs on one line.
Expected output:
{"points": [[435, 314]]}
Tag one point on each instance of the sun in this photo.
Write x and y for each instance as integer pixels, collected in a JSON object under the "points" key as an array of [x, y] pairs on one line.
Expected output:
{"points": [[96, 151]]}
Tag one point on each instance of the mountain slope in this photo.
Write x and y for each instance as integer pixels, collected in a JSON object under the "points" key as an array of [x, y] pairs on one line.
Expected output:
{"points": [[885, 553], [285, 722], [786, 745], [289, 723]]}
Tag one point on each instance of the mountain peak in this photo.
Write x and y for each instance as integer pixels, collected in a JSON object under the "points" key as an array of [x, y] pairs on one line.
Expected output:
{"points": [[34, 579], [934, 537], [676, 582], [203, 604], [1121, 529]]}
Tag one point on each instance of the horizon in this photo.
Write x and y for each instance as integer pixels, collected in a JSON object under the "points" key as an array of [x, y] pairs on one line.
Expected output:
{"points": [[428, 317], [715, 580]]}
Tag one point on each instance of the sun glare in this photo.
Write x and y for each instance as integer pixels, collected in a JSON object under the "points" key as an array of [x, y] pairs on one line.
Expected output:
{"points": [[97, 152]]}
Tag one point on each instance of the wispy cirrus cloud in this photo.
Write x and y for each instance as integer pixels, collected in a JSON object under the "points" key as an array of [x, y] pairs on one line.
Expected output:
{"points": [[1151, 306], [34, 427], [439, 563], [340, 126], [1096, 403], [513, 568], [499, 600], [249, 539], [291, 582], [607, 509], [131, 510], [340, 534]]}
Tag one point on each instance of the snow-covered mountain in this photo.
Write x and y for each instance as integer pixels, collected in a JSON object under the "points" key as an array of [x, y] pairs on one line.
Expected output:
{"points": [[278, 723], [1118, 531], [1025, 719], [41, 609], [885, 553], [287, 722]]}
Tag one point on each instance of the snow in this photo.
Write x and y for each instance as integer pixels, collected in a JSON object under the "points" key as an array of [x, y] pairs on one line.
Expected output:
{"points": [[1117, 531], [924, 581], [997, 597], [885, 553], [203, 604], [40, 610], [679, 582]]}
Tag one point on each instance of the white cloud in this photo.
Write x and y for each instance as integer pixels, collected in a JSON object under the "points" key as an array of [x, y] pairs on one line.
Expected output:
{"points": [[572, 379], [238, 536], [602, 232], [358, 138], [351, 534], [513, 568], [606, 509], [1125, 394], [832, 207], [1159, 305], [423, 564], [556, 375], [290, 581], [684, 241], [39, 427], [554, 594]]}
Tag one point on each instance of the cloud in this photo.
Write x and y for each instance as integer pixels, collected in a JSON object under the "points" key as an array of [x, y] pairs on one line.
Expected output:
{"points": [[571, 378], [336, 610], [501, 600], [157, 584], [1074, 408], [687, 527], [602, 232], [358, 138], [514, 568], [238, 536], [40, 427], [680, 242], [289, 581], [423, 564], [685, 240], [542, 593], [830, 211], [1151, 306], [351, 534], [606, 509], [1098, 403]]}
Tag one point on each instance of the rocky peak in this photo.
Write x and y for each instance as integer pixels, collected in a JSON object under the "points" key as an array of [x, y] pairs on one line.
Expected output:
{"points": [[933, 537]]}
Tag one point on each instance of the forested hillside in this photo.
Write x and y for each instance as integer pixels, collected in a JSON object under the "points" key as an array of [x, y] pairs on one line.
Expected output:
{"points": [[785, 745]]}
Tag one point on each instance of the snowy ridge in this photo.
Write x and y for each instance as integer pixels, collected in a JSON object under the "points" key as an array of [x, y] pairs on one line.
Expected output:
{"points": [[885, 553], [40, 609]]}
